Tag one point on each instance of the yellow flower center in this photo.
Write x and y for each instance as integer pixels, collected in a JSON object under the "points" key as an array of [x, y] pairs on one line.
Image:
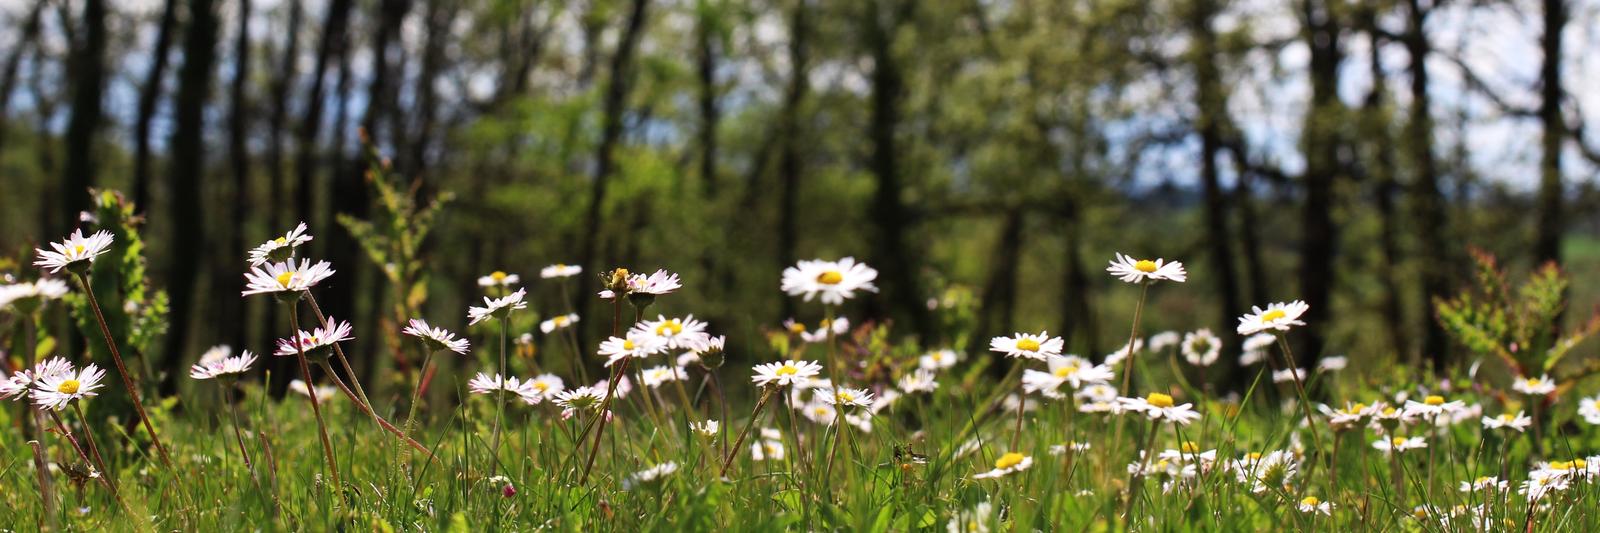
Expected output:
{"points": [[284, 278], [831, 277], [821, 410], [561, 320], [627, 344], [669, 328], [1145, 265], [68, 387], [1388, 411], [1533, 382], [77, 249], [1434, 400], [1028, 345], [787, 370], [1311, 501], [1159, 400], [936, 356], [1507, 417], [1481, 480], [1355, 408], [1067, 370], [1275, 314], [1254, 456], [281, 240], [1008, 460], [846, 397], [1190, 446], [1397, 441], [498, 276], [1558, 465], [542, 386], [797, 328]]}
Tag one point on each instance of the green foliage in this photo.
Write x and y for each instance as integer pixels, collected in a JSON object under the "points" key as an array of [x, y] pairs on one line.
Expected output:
{"points": [[135, 312], [1520, 326]]}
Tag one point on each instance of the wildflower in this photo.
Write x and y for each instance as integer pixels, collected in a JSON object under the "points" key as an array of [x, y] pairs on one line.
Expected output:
{"points": [[1009, 463], [624, 386], [838, 326], [27, 295], [497, 307], [1539, 386], [286, 277], [657, 283], [1489, 483], [1096, 392], [1332, 363], [1132, 270], [1278, 317], [708, 428], [499, 278], [1399, 444], [75, 253], [768, 449], [317, 342], [657, 472], [1078, 447], [1158, 406], [1310, 504], [833, 281], [1267, 471], [820, 413], [1063, 370], [1166, 339], [786, 373], [1028, 345], [56, 390], [1201, 347], [1255, 348], [1589, 409], [886, 399], [224, 367], [920, 380], [974, 520], [559, 270], [19, 384], [579, 399], [281, 248], [847, 397], [660, 375], [1287, 375], [1432, 406], [558, 322], [323, 391], [636, 345], [434, 338], [938, 359], [1519, 422], [540, 388], [1351, 415], [483, 384], [675, 333], [1116, 357], [1541, 483]]}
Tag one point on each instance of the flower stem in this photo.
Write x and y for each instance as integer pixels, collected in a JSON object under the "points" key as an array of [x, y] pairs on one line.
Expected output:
{"points": [[734, 451], [500, 402], [311, 390], [1300, 388], [122, 369], [1127, 357]]}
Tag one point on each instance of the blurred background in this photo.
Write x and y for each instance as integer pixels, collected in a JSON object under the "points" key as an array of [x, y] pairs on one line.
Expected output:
{"points": [[986, 156]]}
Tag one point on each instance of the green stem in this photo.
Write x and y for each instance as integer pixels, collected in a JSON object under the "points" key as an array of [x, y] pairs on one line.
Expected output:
{"points": [[122, 369]]}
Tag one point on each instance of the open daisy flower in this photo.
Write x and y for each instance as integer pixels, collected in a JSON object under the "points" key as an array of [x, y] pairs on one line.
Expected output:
{"points": [[1040, 346], [286, 277], [1399, 444], [836, 327], [324, 392], [657, 283], [1201, 347], [579, 399], [847, 397], [436, 339], [58, 390], [497, 307], [939, 359], [559, 270], [1351, 415], [1166, 339], [281, 248], [648, 475], [675, 333], [919, 380], [661, 375], [706, 428], [1589, 409], [832, 282], [1313, 505], [318, 342], [767, 449], [1065, 369], [636, 345], [226, 367], [1539, 386], [1276, 317], [27, 295], [18, 385], [485, 384], [75, 253], [1485, 483], [1121, 354], [1010, 463], [820, 413], [1519, 422], [1432, 406], [1158, 406], [540, 388], [499, 278], [1132, 270], [786, 373], [558, 322]]}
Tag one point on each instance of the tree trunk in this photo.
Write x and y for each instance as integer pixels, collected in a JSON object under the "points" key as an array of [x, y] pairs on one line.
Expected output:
{"points": [[239, 158], [13, 64], [1381, 168], [1077, 311], [88, 82], [188, 165], [890, 216], [790, 164], [996, 310], [278, 121], [1427, 202], [1322, 145], [1213, 109], [149, 96], [437, 17], [1551, 224], [333, 41]]}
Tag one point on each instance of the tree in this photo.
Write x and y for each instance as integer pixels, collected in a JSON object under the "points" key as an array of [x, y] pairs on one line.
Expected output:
{"points": [[1427, 202], [188, 167], [890, 215], [1210, 123], [13, 63], [1321, 139], [239, 161], [88, 82], [1551, 219], [790, 163], [149, 96]]}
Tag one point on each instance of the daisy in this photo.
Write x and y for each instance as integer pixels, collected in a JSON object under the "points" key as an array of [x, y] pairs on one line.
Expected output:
{"points": [[1267, 471], [324, 392], [1068, 369], [1432, 406], [499, 278], [847, 397], [658, 283], [1116, 357], [75, 253], [1158, 406], [820, 413], [1540, 484], [636, 345], [579, 399], [1201, 347], [921, 380], [1589, 409], [1387, 416], [675, 333], [938, 359], [886, 399], [708, 428], [483, 384], [1399, 444], [838, 326], [1097, 392], [1519, 422], [318, 341], [57, 390], [1539, 386], [624, 386], [786, 373], [558, 322], [1287, 375], [1277, 317], [286, 277], [657, 472], [974, 520], [1164, 340], [1079, 447], [540, 388], [1489, 483], [769, 449], [559, 270], [281, 248], [497, 307], [1312, 505], [1009, 463], [1353, 414], [835, 281], [1028, 345], [224, 367], [660, 375], [17, 386], [1132, 270], [28, 295], [1332, 363], [435, 339]]}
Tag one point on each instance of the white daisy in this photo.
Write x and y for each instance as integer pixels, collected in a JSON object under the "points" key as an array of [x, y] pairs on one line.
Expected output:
{"points": [[1288, 374], [624, 386], [1539, 484], [484, 384], [540, 388], [1079, 447], [838, 326], [768, 449], [1432, 406], [834, 281], [657, 472], [499, 278], [1539, 386], [1277, 316], [27, 295], [286, 277], [1028, 345], [57, 390], [1400, 444], [707, 428], [281, 248], [558, 322], [434, 338], [76, 252], [1332, 363], [1011, 462], [1269, 471], [657, 283], [1589, 409], [847, 397], [675, 333], [636, 345], [819, 413], [1312, 505], [18, 385], [660, 375], [1519, 422], [1158, 406], [786, 373], [920, 380], [1164, 340], [317, 342], [1488, 483], [579, 399], [226, 366], [939, 359], [1116, 357], [1067, 369], [1201, 347], [559, 270], [1133, 270], [324, 392], [497, 307], [974, 520], [1353, 414], [1097, 392]]}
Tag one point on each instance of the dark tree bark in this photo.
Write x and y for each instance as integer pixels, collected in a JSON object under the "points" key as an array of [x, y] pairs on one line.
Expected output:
{"points": [[612, 108], [1381, 169], [149, 96], [239, 161], [437, 17], [1322, 145], [999, 300], [706, 37], [790, 165], [1077, 311], [88, 82], [278, 119], [188, 165], [13, 64], [1427, 202], [1213, 109], [1552, 222], [895, 261], [333, 42]]}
